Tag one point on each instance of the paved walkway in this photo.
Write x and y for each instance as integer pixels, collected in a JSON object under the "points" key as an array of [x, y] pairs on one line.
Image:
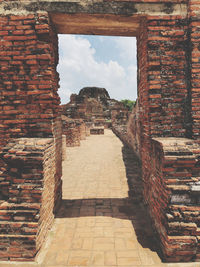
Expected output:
{"points": [[101, 221]]}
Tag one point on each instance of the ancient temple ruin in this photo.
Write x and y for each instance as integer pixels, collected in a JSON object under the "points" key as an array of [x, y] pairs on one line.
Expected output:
{"points": [[164, 130], [90, 112], [94, 105]]}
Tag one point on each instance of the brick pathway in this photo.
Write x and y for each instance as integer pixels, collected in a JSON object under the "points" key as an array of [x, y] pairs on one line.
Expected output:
{"points": [[102, 221]]}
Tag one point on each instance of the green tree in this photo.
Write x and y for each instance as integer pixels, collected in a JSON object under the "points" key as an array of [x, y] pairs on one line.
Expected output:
{"points": [[128, 103]]}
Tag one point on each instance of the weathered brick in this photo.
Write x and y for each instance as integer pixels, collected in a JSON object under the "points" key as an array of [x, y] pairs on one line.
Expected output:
{"points": [[26, 119]]}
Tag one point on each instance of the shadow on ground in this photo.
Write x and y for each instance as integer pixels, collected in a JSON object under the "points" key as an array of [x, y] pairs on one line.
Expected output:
{"points": [[131, 208]]}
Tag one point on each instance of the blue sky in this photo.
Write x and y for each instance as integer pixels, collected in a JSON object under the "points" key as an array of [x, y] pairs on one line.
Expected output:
{"points": [[101, 61]]}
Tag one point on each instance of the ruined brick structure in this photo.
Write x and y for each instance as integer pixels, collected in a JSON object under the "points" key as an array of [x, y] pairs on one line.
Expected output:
{"points": [[168, 115], [88, 112], [75, 130], [94, 105]]}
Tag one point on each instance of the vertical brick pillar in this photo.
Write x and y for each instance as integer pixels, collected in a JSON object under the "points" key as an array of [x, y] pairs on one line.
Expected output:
{"points": [[29, 81], [165, 111], [167, 75], [165, 90], [194, 50], [29, 109], [143, 129], [162, 85], [28, 73]]}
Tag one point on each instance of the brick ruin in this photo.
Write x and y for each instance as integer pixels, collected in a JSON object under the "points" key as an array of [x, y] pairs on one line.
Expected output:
{"points": [[90, 112], [164, 128], [75, 130], [94, 106]]}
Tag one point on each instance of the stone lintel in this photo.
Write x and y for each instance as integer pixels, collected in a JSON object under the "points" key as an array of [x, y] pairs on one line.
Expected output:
{"points": [[96, 24], [122, 8]]}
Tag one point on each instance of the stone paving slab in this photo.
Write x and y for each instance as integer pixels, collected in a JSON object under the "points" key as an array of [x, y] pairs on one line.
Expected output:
{"points": [[102, 221]]}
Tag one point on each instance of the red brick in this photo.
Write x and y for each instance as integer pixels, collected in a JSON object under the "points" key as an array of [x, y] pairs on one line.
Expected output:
{"points": [[15, 38], [2, 33], [21, 18], [41, 26], [31, 62]]}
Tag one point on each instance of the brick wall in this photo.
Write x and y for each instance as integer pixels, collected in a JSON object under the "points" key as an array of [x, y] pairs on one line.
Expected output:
{"points": [[142, 130], [166, 96], [174, 196], [168, 107], [167, 75], [29, 99], [75, 131], [82, 131], [27, 214], [30, 180], [72, 133], [87, 129]]}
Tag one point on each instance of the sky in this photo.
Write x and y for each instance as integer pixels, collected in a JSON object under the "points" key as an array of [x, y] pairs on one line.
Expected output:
{"points": [[100, 61]]}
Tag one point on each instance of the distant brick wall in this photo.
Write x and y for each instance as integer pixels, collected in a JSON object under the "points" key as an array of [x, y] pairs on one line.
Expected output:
{"points": [[75, 131], [96, 131], [64, 150], [87, 130], [82, 131], [133, 130], [72, 133]]}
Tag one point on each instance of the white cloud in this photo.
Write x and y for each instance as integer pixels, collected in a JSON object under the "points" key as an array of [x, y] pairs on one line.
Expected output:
{"points": [[127, 47], [78, 68]]}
